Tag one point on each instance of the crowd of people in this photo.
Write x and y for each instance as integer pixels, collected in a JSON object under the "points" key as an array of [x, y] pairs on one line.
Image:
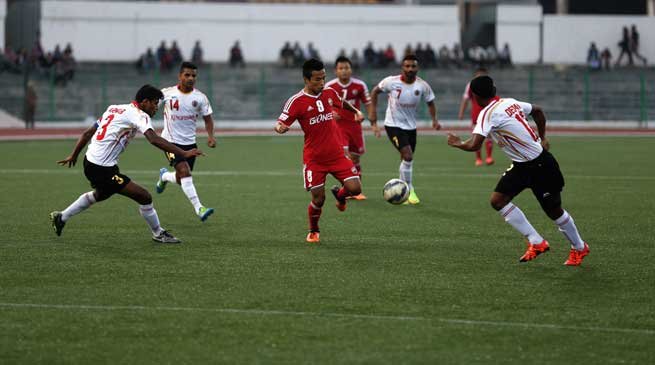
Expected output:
{"points": [[164, 58], [628, 47], [61, 62], [383, 57]]}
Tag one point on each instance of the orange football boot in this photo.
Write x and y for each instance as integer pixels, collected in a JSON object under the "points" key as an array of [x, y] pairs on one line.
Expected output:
{"points": [[341, 203], [534, 251], [313, 237], [575, 256]]}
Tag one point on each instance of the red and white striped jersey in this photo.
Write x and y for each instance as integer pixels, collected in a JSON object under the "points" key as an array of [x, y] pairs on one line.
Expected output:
{"points": [[355, 92], [181, 111], [117, 126], [505, 120]]}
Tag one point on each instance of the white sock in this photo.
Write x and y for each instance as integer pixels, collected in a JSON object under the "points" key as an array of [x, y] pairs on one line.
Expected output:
{"points": [[515, 217], [190, 192], [406, 172], [149, 213], [169, 177], [570, 231], [82, 203]]}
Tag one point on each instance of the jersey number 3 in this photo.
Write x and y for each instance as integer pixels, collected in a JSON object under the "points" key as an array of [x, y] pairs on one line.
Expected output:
{"points": [[103, 129]]}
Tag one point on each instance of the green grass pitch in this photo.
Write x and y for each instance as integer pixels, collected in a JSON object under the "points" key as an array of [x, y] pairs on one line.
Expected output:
{"points": [[435, 283]]}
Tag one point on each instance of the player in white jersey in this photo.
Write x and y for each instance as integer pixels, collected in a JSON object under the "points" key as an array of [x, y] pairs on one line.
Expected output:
{"points": [[182, 105], [109, 137], [406, 91], [504, 120]]}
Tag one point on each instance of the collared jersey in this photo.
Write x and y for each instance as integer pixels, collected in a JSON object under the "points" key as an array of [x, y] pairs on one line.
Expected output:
{"points": [[505, 120], [116, 128], [181, 111], [355, 92], [404, 100], [314, 113]]}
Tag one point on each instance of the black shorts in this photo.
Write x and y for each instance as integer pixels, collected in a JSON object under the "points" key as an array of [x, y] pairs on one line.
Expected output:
{"points": [[174, 159], [401, 137], [542, 175], [107, 181]]}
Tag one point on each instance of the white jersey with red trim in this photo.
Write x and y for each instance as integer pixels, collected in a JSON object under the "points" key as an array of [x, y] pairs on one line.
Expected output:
{"points": [[506, 121], [116, 128], [181, 111], [404, 100]]}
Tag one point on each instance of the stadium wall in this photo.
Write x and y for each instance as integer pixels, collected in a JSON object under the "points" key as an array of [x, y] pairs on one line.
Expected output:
{"points": [[519, 25], [121, 31], [567, 37]]}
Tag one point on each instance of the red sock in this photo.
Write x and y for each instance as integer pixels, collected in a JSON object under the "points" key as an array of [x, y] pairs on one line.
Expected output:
{"points": [[490, 145], [342, 193], [314, 215], [478, 155]]}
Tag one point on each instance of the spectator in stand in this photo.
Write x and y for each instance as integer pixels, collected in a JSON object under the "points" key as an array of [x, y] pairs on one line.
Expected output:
{"points": [[196, 54], [147, 62], [634, 44], [176, 55], [36, 55], [491, 55], [298, 54], [57, 55], [65, 69], [477, 55], [458, 55], [286, 55], [30, 104], [625, 47], [505, 57], [354, 59], [236, 56], [408, 50], [370, 59], [606, 59], [312, 52], [163, 57], [430, 56], [444, 57], [593, 57], [389, 56]]}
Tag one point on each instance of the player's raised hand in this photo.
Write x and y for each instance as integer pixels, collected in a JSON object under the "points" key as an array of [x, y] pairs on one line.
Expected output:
{"points": [[70, 161], [454, 140], [211, 142], [436, 125]]}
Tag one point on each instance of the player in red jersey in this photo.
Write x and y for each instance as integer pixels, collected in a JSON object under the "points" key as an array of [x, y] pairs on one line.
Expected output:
{"points": [[355, 92], [475, 111], [322, 153]]}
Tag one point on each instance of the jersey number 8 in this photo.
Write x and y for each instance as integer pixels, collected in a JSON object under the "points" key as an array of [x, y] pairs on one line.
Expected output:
{"points": [[319, 106]]}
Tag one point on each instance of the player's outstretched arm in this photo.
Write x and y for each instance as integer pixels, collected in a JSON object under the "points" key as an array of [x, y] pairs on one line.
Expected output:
{"points": [[359, 117], [374, 126], [81, 143], [209, 127], [373, 114], [432, 108], [539, 117], [166, 146], [281, 128], [472, 144]]}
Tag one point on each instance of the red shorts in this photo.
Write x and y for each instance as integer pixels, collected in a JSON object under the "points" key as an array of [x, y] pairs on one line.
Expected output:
{"points": [[315, 173], [352, 137]]}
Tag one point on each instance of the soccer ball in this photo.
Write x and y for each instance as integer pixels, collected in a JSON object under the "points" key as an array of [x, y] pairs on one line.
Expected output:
{"points": [[395, 191]]}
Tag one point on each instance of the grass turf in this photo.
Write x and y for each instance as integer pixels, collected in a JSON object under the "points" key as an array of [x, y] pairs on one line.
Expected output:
{"points": [[437, 282]]}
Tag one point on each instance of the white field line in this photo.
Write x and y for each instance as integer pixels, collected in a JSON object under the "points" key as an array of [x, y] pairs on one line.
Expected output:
{"points": [[444, 172], [264, 312]]}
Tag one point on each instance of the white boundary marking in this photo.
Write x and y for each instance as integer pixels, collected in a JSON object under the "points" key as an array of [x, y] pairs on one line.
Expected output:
{"points": [[265, 312], [443, 172]]}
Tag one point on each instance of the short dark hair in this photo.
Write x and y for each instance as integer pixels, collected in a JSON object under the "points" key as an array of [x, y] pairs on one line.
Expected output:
{"points": [[483, 86], [341, 59], [187, 64], [409, 57], [148, 92], [311, 65], [481, 69]]}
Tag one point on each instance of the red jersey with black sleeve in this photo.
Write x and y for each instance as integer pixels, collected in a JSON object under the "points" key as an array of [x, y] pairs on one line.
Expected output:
{"points": [[314, 113]]}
